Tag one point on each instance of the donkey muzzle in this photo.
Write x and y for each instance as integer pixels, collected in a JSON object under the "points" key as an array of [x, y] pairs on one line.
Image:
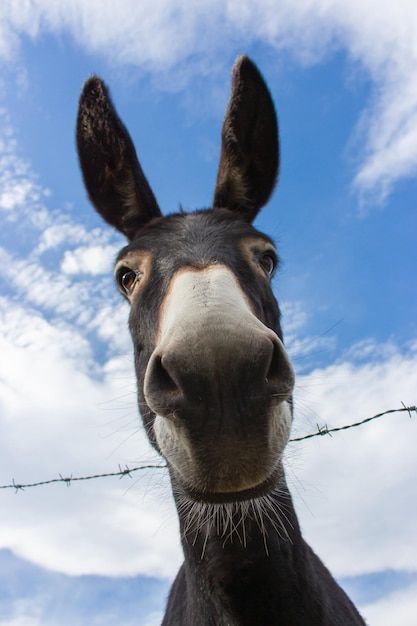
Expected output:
{"points": [[218, 381]]}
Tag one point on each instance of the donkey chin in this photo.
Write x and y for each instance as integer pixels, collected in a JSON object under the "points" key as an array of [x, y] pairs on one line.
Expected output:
{"points": [[232, 467]]}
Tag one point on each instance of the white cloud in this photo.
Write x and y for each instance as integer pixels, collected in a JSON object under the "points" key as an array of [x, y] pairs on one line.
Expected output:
{"points": [[67, 233], [64, 410], [299, 344], [89, 260], [359, 484], [61, 412], [159, 36], [18, 184], [63, 602], [295, 318], [154, 619], [111, 327], [48, 289], [31, 332], [21, 620], [399, 607], [52, 288], [23, 198], [23, 613]]}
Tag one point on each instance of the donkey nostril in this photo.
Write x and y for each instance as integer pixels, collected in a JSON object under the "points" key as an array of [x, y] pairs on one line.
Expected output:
{"points": [[165, 382], [161, 388], [280, 375]]}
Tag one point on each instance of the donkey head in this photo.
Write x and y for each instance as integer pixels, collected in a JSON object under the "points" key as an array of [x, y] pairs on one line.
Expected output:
{"points": [[214, 380]]}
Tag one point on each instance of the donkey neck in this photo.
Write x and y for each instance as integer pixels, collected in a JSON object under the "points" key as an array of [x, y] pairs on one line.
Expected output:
{"points": [[242, 569], [262, 573]]}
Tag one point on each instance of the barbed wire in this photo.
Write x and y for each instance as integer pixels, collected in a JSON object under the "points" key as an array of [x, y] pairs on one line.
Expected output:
{"points": [[128, 471], [324, 430]]}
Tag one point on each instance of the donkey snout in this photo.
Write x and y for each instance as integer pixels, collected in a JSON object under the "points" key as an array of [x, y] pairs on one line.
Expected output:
{"points": [[219, 375], [217, 382], [215, 361]]}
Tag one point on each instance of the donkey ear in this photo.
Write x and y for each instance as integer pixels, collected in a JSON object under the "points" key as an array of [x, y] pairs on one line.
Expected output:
{"points": [[112, 174], [249, 158]]}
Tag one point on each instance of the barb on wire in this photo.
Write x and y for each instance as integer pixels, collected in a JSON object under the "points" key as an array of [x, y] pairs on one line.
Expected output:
{"points": [[127, 471]]}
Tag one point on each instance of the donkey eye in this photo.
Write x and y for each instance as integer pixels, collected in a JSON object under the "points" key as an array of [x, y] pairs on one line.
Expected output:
{"points": [[127, 278], [267, 261]]}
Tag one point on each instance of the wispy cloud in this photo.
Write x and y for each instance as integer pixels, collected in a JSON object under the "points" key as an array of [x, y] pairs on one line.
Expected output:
{"points": [[68, 396], [32, 596], [66, 233], [399, 607], [18, 184], [354, 483], [63, 412], [89, 260], [59, 270], [304, 349], [159, 36]]}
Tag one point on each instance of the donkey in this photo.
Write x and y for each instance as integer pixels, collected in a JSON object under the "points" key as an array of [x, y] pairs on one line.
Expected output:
{"points": [[214, 380]]}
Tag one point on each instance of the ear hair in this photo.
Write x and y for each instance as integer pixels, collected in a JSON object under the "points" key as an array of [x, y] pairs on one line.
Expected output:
{"points": [[249, 158], [113, 177]]}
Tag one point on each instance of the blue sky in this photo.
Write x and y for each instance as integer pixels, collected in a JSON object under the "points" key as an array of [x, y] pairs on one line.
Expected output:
{"points": [[344, 217]]}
